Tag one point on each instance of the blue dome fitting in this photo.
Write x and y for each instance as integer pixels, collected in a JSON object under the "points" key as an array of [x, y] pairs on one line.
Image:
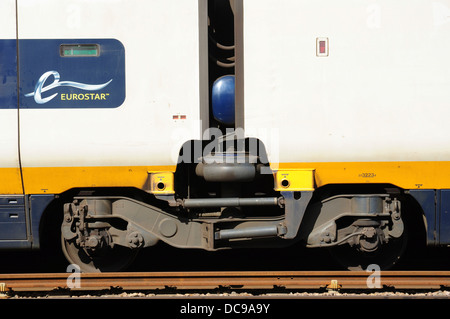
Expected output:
{"points": [[223, 92]]}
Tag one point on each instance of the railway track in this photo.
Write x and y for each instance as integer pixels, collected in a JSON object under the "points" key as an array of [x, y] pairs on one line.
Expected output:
{"points": [[228, 280]]}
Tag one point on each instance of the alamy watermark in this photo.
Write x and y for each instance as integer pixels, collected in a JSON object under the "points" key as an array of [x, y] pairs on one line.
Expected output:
{"points": [[374, 279], [74, 279]]}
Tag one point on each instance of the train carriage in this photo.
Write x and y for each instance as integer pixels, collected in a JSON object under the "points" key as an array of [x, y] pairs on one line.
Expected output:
{"points": [[217, 124]]}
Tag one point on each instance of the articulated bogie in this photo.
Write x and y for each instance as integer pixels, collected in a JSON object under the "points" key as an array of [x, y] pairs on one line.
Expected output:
{"points": [[371, 226]]}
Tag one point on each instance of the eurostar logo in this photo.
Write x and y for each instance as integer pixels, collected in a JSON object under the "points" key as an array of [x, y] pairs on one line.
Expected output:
{"points": [[40, 88]]}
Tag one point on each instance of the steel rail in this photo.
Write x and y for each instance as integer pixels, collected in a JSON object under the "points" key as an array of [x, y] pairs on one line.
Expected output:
{"points": [[237, 280]]}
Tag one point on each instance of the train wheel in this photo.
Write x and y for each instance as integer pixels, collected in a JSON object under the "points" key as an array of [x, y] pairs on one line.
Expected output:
{"points": [[109, 259], [359, 257]]}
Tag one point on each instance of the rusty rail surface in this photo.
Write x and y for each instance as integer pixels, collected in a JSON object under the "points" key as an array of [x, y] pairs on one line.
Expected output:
{"points": [[236, 280]]}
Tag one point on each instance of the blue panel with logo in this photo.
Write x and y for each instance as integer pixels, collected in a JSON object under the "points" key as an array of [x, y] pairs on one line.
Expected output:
{"points": [[71, 73], [8, 74]]}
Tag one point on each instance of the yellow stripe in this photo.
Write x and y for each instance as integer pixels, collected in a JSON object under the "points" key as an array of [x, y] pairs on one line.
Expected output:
{"points": [[10, 181], [55, 180], [407, 175]]}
